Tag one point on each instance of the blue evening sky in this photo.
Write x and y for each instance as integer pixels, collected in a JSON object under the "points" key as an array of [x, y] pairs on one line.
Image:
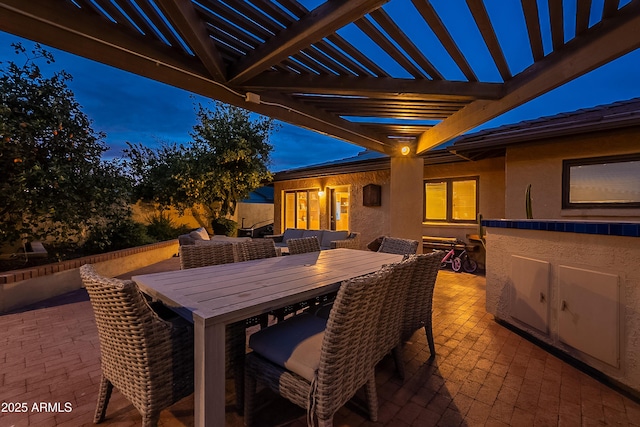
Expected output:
{"points": [[131, 108]]}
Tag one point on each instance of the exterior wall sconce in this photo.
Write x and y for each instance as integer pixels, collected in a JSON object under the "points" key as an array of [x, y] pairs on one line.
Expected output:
{"points": [[405, 150], [320, 193]]}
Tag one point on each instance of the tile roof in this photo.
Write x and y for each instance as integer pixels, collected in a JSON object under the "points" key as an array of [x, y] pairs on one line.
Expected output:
{"points": [[617, 115], [491, 142]]}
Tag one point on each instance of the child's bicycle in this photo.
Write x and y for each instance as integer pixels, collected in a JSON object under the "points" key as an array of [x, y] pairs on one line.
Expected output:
{"points": [[459, 262]]}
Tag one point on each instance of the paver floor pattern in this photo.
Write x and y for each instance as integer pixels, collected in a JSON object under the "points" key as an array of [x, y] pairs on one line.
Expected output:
{"points": [[483, 374]]}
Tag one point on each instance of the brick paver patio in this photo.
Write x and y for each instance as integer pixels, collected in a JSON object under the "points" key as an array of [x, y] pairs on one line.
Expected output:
{"points": [[483, 375]]}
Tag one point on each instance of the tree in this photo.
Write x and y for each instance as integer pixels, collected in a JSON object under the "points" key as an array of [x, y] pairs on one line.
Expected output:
{"points": [[228, 158], [54, 184]]}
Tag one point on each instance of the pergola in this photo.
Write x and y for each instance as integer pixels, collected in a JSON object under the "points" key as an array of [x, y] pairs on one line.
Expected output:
{"points": [[369, 72], [283, 60]]}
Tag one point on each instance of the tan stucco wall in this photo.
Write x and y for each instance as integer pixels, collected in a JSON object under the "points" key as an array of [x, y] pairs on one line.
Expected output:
{"points": [[143, 212], [491, 193], [253, 213], [371, 222], [194, 218], [610, 254], [541, 166], [376, 221], [407, 198]]}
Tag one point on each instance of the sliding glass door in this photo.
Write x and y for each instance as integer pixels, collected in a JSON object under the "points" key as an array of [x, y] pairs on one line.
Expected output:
{"points": [[302, 209]]}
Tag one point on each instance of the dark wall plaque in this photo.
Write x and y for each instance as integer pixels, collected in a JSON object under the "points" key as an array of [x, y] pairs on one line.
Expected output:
{"points": [[371, 195]]}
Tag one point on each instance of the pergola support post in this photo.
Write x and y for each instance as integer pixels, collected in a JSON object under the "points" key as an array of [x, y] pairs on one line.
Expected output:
{"points": [[407, 173]]}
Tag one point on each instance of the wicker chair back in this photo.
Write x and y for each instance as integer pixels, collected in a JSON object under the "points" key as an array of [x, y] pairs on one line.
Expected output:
{"points": [[419, 300], [392, 316], [349, 348], [192, 256], [256, 249], [395, 245], [149, 360], [303, 245]]}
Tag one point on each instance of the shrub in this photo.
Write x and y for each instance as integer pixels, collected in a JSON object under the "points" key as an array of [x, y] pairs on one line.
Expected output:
{"points": [[161, 227], [224, 226], [126, 233]]}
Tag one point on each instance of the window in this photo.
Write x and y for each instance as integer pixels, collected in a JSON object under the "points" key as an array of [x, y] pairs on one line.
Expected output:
{"points": [[601, 182], [451, 200], [302, 209]]}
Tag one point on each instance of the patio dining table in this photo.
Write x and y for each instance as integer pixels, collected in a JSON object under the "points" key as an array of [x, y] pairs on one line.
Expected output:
{"points": [[212, 297]]}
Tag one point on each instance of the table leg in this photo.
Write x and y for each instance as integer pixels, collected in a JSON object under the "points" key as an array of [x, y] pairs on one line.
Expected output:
{"points": [[209, 379]]}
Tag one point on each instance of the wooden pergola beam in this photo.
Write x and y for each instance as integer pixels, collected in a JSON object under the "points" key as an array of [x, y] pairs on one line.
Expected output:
{"points": [[377, 87], [437, 26], [599, 45], [319, 23], [532, 19], [68, 28], [483, 22], [185, 18]]}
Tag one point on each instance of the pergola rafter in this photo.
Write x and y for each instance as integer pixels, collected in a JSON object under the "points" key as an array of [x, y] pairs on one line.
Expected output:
{"points": [[308, 68]]}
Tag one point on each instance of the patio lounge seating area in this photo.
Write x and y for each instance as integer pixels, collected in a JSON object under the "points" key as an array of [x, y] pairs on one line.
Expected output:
{"points": [[328, 239], [483, 373]]}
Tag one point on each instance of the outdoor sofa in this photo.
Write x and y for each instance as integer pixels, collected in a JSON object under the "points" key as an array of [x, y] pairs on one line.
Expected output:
{"points": [[202, 235], [328, 239]]}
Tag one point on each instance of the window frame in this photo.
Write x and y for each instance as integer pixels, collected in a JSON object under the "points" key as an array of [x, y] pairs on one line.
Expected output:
{"points": [[449, 202], [567, 164], [308, 191]]}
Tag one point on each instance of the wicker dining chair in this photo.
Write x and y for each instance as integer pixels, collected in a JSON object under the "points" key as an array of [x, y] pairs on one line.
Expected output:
{"points": [[303, 245], [299, 246], [395, 245], [256, 249], [194, 256], [149, 360], [318, 364], [418, 303], [392, 316]]}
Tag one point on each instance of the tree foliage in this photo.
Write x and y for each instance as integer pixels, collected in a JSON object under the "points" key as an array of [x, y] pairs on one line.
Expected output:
{"points": [[228, 158], [54, 184]]}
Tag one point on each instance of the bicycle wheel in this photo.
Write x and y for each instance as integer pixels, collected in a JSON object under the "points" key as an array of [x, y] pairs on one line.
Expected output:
{"points": [[456, 264], [469, 265]]}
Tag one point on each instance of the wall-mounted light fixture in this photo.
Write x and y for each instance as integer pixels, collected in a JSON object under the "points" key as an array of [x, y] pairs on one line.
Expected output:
{"points": [[320, 193], [405, 150]]}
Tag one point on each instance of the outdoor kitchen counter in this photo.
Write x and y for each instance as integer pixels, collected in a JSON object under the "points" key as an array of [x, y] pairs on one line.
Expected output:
{"points": [[572, 284]]}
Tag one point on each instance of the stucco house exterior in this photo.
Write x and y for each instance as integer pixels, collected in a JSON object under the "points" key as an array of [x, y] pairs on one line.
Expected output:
{"points": [[568, 277], [526, 153]]}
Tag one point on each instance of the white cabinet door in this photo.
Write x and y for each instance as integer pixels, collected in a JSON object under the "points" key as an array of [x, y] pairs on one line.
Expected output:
{"points": [[530, 292], [588, 316]]}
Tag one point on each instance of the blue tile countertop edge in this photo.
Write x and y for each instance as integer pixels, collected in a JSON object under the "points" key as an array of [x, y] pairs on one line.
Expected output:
{"points": [[627, 229]]}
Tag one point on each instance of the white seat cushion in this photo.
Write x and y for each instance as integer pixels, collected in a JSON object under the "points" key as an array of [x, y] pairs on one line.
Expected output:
{"points": [[199, 234], [293, 344]]}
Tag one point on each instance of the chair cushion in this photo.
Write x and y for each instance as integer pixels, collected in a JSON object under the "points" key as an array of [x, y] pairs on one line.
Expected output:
{"points": [[293, 344], [199, 234], [329, 236], [374, 245], [292, 233]]}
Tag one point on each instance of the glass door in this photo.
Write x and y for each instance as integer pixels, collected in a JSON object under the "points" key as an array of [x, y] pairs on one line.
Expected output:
{"points": [[302, 209], [340, 209]]}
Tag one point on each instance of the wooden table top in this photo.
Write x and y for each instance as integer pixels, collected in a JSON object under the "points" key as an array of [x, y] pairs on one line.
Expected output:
{"points": [[231, 292]]}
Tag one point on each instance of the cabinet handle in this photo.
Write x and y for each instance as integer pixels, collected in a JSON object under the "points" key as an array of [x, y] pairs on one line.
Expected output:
{"points": [[564, 305], [542, 297]]}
